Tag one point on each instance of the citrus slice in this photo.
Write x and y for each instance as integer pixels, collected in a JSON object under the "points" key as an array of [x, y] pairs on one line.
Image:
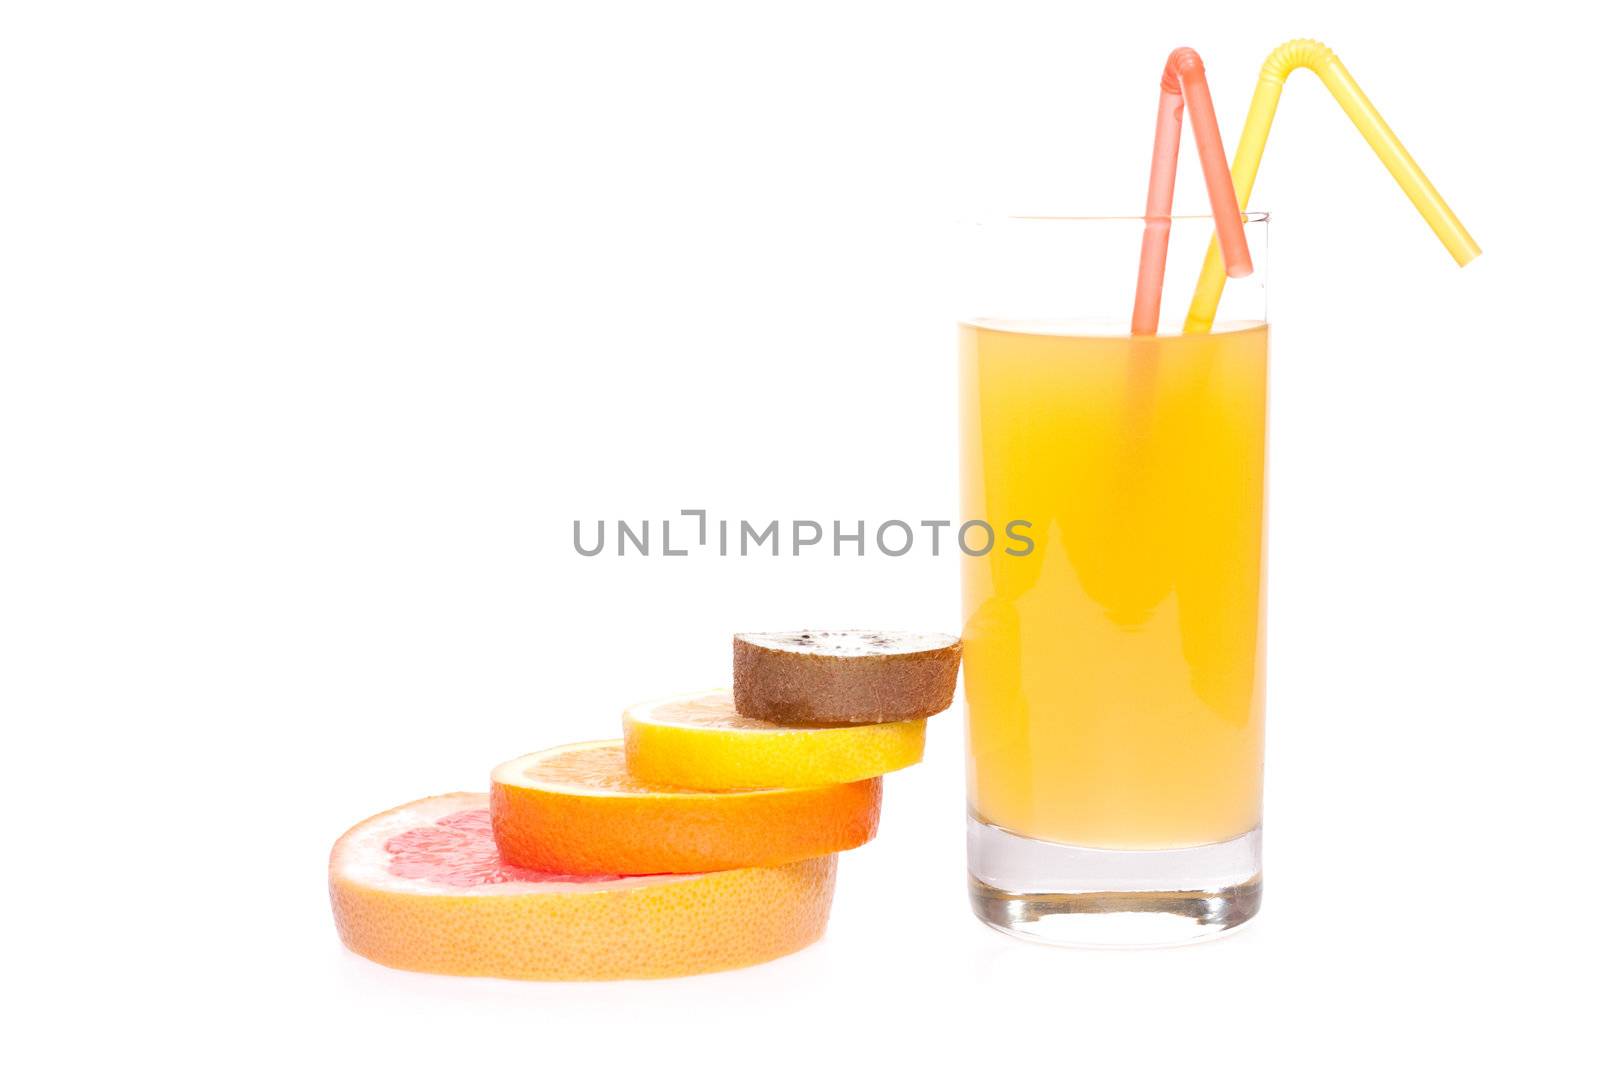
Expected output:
{"points": [[700, 742], [421, 888], [576, 809]]}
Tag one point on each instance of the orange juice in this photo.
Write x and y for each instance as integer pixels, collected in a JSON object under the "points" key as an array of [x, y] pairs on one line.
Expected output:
{"points": [[1114, 674]]}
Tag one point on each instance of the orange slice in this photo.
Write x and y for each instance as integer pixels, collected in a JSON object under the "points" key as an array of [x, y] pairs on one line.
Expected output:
{"points": [[700, 742], [422, 888], [576, 809]]}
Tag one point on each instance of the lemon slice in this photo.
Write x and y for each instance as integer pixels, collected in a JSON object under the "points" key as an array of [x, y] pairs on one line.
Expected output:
{"points": [[699, 742]]}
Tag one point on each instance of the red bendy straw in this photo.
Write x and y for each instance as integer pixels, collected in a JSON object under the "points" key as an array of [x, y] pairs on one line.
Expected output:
{"points": [[1184, 79]]}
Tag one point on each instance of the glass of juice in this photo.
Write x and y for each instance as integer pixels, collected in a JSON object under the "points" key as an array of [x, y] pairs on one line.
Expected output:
{"points": [[1114, 669]]}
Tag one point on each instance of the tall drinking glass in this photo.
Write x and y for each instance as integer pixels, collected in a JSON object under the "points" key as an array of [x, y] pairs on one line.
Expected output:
{"points": [[1114, 671]]}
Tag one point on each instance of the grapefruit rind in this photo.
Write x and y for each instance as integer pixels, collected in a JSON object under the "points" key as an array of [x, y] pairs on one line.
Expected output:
{"points": [[575, 810], [699, 741], [610, 928]]}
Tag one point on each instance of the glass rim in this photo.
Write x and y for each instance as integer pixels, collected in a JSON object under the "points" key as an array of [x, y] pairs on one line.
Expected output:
{"points": [[1249, 217]]}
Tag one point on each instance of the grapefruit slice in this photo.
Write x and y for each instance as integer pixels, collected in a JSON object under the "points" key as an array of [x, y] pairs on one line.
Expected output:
{"points": [[700, 742], [576, 809], [421, 888]]}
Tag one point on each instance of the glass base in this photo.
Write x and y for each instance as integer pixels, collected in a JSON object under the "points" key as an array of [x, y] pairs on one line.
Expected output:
{"points": [[1071, 895]]}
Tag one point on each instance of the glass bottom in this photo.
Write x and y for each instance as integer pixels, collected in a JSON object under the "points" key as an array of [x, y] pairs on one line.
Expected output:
{"points": [[1072, 895]]}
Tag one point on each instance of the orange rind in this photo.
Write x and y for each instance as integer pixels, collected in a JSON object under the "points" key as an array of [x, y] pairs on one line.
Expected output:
{"points": [[577, 810]]}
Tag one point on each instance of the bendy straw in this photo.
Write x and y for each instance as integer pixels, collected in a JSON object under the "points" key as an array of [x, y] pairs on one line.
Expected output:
{"points": [[1184, 79], [1318, 57]]}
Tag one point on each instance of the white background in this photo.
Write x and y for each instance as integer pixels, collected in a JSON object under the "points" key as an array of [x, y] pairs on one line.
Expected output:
{"points": [[321, 322]]}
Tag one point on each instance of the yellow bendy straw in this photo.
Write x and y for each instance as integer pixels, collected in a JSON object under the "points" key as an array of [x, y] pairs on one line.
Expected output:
{"points": [[1318, 57]]}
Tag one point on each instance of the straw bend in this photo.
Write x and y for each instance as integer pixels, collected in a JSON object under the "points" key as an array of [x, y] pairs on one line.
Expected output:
{"points": [[1183, 62], [1319, 58], [1300, 53], [1183, 80]]}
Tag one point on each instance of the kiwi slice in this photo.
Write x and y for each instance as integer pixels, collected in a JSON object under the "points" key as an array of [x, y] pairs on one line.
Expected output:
{"points": [[843, 676]]}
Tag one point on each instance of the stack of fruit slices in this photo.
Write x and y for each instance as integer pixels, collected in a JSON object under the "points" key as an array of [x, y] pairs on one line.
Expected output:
{"points": [[705, 839]]}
